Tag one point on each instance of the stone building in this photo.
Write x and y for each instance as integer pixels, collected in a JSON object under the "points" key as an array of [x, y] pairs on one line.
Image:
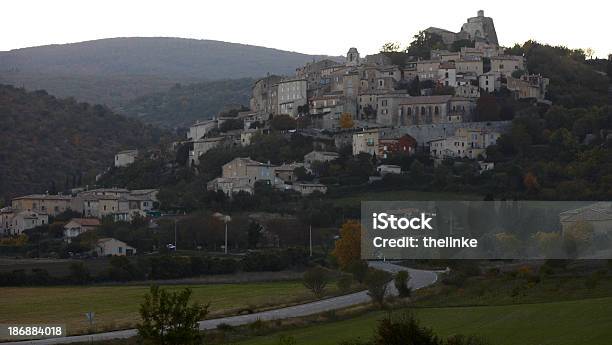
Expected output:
{"points": [[292, 94], [318, 157], [352, 57], [428, 110], [490, 81], [479, 29], [42, 203], [264, 98], [506, 64], [125, 158], [466, 143], [366, 142], [467, 90], [199, 129], [528, 86], [387, 105]]}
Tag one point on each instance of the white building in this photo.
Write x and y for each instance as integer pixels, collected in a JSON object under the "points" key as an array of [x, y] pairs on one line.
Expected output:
{"points": [[385, 169], [125, 158], [78, 226], [113, 247], [489, 82], [25, 220]]}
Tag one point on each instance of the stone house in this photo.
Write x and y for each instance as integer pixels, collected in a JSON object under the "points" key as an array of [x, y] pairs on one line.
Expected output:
{"points": [[366, 142], [264, 95], [78, 226], [387, 107], [203, 145], [427, 69], [469, 65], [490, 82], [528, 86], [466, 143], [506, 64], [285, 172], [292, 93], [307, 188], [42, 203], [598, 215], [25, 220], [467, 90], [318, 156], [113, 247]]}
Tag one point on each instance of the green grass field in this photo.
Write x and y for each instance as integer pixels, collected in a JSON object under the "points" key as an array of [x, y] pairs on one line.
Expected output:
{"points": [[399, 195], [559, 323], [117, 306]]}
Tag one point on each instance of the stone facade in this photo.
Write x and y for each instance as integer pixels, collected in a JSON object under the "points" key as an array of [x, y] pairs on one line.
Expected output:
{"points": [[125, 158]]}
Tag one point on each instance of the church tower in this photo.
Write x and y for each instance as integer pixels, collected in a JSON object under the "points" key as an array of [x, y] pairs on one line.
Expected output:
{"points": [[352, 57]]}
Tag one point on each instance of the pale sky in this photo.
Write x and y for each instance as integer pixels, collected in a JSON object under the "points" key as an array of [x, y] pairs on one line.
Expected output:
{"points": [[309, 26]]}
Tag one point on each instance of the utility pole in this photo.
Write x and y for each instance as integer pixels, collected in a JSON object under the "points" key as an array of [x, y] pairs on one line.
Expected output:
{"points": [[225, 235], [310, 238]]}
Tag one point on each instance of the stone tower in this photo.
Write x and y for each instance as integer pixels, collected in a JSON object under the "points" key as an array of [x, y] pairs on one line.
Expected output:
{"points": [[352, 57], [479, 28]]}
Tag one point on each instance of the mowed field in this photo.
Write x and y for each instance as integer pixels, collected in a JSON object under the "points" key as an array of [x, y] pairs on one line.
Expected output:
{"points": [[117, 306], [577, 322]]}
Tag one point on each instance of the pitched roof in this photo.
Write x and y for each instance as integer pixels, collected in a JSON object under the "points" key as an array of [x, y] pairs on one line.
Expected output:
{"points": [[426, 99], [86, 221]]}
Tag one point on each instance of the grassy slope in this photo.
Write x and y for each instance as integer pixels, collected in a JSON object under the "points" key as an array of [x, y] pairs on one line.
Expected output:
{"points": [[559, 323], [117, 306]]}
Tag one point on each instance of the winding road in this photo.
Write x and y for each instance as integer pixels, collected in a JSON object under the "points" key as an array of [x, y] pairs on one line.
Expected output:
{"points": [[419, 279]]}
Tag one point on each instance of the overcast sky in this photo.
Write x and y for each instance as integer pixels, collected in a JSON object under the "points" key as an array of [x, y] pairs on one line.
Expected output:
{"points": [[307, 26]]}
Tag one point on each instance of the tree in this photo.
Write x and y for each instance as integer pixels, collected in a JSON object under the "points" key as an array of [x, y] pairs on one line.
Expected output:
{"points": [[390, 47], [377, 281], [169, 319], [402, 331], [401, 283], [530, 181], [578, 236], [346, 121], [254, 234], [348, 246], [423, 43], [315, 279]]}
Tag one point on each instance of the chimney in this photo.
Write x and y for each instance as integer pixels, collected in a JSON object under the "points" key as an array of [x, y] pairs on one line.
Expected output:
{"points": [[481, 13]]}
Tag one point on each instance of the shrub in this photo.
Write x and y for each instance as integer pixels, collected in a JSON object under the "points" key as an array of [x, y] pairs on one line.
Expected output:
{"points": [[376, 281], [315, 279]]}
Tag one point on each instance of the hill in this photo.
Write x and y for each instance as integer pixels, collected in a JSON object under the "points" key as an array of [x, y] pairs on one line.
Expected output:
{"points": [[52, 144], [182, 105], [111, 71]]}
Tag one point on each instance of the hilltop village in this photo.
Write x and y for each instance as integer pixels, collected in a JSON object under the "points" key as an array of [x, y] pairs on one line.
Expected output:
{"points": [[388, 103]]}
